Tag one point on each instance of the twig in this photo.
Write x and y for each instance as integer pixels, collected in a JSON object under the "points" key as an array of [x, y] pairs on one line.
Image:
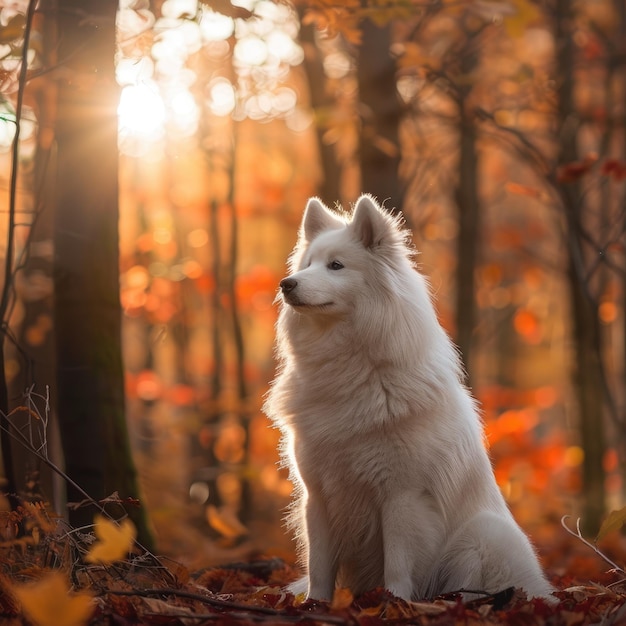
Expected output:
{"points": [[579, 536], [280, 617], [15, 153], [25, 443], [228, 604]]}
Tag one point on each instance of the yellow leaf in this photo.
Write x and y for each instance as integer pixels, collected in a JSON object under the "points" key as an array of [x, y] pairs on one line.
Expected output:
{"points": [[225, 521], [525, 14], [614, 521], [48, 602], [114, 543]]}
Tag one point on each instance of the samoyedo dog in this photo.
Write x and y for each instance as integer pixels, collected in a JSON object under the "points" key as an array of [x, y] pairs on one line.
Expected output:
{"points": [[393, 485]]}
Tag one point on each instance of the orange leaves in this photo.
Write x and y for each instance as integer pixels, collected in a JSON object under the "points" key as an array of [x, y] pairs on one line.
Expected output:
{"points": [[527, 324], [336, 19], [345, 18], [523, 190], [114, 543], [512, 422], [48, 602]]}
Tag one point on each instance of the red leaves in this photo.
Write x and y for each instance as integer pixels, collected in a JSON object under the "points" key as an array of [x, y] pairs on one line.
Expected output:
{"points": [[571, 172], [614, 168]]}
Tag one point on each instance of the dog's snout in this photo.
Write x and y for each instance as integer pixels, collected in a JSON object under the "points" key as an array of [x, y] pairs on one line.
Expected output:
{"points": [[288, 284]]}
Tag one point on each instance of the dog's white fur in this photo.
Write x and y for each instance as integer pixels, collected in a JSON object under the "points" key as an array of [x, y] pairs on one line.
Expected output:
{"points": [[393, 484]]}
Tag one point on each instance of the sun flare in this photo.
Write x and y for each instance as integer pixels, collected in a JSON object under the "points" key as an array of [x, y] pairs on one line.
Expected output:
{"points": [[141, 111]]}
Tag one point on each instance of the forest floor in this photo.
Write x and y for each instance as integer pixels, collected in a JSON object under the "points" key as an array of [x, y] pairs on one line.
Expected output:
{"points": [[52, 575]]}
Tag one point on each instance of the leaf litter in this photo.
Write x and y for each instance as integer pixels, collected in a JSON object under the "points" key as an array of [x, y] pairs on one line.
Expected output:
{"points": [[62, 577]]}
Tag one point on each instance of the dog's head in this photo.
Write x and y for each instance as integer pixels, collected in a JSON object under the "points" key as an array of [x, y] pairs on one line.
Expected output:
{"points": [[339, 258]]}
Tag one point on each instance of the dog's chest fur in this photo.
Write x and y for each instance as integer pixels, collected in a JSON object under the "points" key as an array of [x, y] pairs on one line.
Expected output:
{"points": [[371, 462]]}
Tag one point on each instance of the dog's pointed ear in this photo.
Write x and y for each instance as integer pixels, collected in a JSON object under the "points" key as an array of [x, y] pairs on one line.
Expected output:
{"points": [[369, 223], [318, 218]]}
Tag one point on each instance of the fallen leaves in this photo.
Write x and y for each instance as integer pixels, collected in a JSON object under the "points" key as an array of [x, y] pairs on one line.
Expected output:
{"points": [[48, 602], [258, 596], [114, 543], [111, 584]]}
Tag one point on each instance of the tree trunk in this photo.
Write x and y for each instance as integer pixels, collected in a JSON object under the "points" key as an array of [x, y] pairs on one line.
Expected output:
{"points": [[620, 73], [90, 381], [7, 292], [379, 152], [589, 394], [468, 206], [330, 186], [587, 375]]}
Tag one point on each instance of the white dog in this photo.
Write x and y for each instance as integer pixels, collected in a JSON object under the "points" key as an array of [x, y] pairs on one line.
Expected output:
{"points": [[393, 484]]}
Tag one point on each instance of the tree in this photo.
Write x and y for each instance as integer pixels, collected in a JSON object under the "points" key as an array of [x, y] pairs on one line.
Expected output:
{"points": [[467, 202], [580, 182], [6, 297], [90, 383], [321, 102], [380, 114], [586, 325]]}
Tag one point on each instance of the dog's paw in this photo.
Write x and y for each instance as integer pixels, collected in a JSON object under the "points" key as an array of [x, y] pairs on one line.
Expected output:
{"points": [[299, 587]]}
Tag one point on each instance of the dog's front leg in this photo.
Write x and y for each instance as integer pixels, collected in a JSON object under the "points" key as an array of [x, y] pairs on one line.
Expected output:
{"points": [[321, 561], [411, 537]]}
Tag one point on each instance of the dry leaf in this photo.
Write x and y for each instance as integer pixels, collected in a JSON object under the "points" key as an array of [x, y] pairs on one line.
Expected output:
{"points": [[48, 602], [164, 609], [224, 520], [614, 521], [114, 543]]}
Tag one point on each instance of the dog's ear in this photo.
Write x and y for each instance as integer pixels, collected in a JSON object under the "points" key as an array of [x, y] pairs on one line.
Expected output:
{"points": [[370, 225], [318, 218]]}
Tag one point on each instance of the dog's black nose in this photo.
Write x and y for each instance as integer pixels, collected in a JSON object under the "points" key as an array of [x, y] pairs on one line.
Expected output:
{"points": [[288, 284]]}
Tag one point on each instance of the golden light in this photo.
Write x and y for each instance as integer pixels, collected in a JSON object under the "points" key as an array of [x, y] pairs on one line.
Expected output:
{"points": [[215, 26], [141, 112], [251, 50], [176, 8], [222, 97], [198, 238], [157, 84], [184, 112], [134, 71], [337, 65], [282, 45]]}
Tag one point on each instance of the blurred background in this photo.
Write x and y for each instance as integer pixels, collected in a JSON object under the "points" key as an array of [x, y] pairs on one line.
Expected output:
{"points": [[156, 158]]}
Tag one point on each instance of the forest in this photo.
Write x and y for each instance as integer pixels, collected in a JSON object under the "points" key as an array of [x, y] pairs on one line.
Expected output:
{"points": [[155, 160]]}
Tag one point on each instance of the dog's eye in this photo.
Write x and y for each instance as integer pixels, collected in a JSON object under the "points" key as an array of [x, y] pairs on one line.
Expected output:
{"points": [[335, 265]]}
